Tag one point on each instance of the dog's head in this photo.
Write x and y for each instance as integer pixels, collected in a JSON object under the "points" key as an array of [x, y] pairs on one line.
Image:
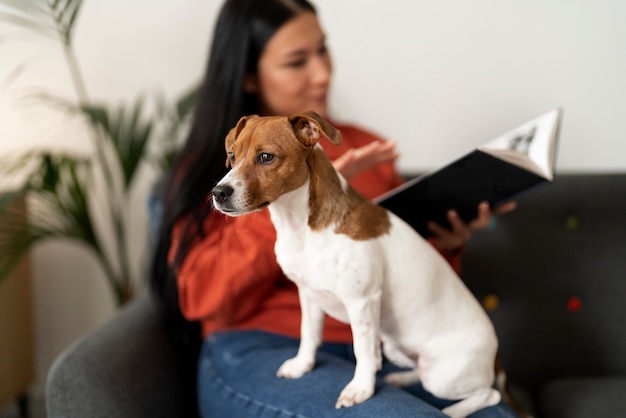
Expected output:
{"points": [[267, 157]]}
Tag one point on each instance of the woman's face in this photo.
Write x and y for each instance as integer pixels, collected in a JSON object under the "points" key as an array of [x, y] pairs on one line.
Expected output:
{"points": [[294, 70]]}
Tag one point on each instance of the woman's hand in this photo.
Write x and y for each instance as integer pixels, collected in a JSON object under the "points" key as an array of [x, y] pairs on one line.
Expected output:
{"points": [[454, 238], [357, 160]]}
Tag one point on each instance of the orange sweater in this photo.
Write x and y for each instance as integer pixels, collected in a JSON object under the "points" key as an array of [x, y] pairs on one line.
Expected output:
{"points": [[230, 279]]}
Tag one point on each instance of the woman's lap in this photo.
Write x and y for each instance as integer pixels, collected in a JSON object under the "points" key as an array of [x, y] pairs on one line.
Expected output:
{"points": [[237, 378]]}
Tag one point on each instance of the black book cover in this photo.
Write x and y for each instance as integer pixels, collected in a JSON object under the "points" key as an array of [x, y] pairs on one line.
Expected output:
{"points": [[462, 185], [495, 172]]}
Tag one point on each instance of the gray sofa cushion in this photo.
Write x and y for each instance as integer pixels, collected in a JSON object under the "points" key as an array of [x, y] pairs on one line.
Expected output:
{"points": [[554, 274], [602, 397], [124, 369]]}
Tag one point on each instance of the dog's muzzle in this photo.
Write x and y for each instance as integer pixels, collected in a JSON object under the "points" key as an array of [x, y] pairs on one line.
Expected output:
{"points": [[222, 194], [229, 203]]}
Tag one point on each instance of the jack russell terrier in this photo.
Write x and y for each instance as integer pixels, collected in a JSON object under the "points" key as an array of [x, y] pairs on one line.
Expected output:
{"points": [[360, 264]]}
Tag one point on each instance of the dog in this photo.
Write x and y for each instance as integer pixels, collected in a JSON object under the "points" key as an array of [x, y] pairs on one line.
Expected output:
{"points": [[361, 264]]}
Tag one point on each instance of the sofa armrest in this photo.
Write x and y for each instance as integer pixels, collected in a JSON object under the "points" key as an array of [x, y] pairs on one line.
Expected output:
{"points": [[126, 368]]}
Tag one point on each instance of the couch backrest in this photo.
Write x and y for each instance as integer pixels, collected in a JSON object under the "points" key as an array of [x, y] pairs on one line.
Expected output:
{"points": [[552, 276]]}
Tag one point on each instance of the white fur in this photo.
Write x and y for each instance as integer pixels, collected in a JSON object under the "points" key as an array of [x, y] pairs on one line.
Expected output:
{"points": [[394, 288]]}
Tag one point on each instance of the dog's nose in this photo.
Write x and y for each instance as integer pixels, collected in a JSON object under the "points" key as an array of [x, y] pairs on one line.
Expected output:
{"points": [[221, 193]]}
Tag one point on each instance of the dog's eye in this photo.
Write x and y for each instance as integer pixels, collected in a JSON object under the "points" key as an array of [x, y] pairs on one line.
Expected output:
{"points": [[265, 158], [231, 157]]}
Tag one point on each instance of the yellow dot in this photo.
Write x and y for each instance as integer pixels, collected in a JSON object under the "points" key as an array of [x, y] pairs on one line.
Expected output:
{"points": [[491, 302], [572, 223]]}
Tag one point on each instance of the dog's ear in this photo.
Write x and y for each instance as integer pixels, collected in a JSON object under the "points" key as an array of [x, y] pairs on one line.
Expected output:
{"points": [[232, 136], [307, 126]]}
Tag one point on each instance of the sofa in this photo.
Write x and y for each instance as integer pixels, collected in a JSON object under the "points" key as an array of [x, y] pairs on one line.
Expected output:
{"points": [[551, 275]]}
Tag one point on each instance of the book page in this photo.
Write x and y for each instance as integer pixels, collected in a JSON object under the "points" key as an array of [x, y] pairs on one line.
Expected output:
{"points": [[531, 145]]}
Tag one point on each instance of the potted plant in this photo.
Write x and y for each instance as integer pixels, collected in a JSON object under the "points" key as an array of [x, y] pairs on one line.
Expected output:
{"points": [[59, 187]]}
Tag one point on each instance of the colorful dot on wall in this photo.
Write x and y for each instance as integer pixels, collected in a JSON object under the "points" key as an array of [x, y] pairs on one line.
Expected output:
{"points": [[491, 302], [572, 223], [574, 304]]}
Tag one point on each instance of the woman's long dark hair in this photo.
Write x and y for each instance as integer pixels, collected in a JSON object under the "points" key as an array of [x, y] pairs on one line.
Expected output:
{"points": [[241, 32]]}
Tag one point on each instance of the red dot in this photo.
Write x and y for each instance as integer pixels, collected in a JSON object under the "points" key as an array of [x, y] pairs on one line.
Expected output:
{"points": [[573, 304]]}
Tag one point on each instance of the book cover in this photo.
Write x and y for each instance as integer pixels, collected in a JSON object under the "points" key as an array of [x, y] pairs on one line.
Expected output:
{"points": [[496, 172]]}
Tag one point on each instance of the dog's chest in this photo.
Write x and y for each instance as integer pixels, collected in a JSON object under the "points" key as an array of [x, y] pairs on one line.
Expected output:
{"points": [[310, 258], [329, 265]]}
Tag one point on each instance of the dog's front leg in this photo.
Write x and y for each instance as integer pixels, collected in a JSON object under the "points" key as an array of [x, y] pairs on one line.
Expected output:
{"points": [[364, 316], [311, 329]]}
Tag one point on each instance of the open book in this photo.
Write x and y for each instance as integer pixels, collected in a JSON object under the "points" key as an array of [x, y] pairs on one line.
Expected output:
{"points": [[496, 172]]}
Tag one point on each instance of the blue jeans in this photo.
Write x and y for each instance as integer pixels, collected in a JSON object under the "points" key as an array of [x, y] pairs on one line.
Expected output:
{"points": [[237, 378]]}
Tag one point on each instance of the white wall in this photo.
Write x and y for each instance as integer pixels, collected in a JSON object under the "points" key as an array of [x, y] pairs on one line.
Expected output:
{"points": [[442, 77], [438, 77]]}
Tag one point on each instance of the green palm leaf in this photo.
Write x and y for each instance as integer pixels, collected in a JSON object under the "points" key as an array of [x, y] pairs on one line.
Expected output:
{"points": [[128, 129], [48, 18], [58, 207], [128, 132]]}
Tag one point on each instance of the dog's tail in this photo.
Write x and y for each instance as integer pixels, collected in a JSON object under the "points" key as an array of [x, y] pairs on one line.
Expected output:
{"points": [[502, 384]]}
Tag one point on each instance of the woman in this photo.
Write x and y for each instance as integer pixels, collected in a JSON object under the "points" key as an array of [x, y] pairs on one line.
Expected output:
{"points": [[217, 277]]}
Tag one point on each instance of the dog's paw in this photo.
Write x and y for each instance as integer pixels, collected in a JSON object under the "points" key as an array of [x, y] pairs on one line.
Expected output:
{"points": [[294, 368], [354, 394]]}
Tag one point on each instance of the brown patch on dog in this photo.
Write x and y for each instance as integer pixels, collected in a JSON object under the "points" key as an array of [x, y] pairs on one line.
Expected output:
{"points": [[365, 221], [232, 136], [307, 127], [254, 136], [330, 204], [291, 141]]}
